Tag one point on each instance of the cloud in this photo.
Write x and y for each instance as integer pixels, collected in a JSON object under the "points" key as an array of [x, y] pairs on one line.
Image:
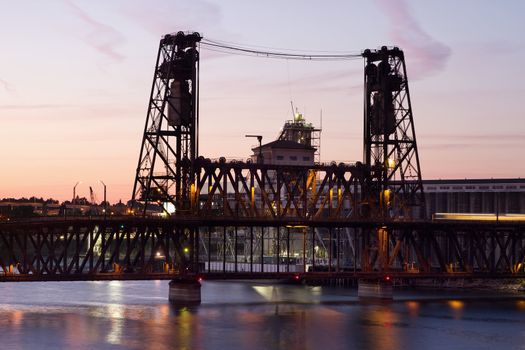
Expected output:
{"points": [[328, 81], [161, 17], [464, 141], [7, 86], [479, 137], [102, 37], [34, 106], [427, 55]]}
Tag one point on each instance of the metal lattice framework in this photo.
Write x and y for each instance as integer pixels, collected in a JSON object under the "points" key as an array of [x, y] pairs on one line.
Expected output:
{"points": [[220, 247], [91, 249], [269, 192], [389, 134], [169, 145]]}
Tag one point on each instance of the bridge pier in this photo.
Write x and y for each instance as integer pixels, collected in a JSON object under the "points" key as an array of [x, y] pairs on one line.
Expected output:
{"points": [[185, 291]]}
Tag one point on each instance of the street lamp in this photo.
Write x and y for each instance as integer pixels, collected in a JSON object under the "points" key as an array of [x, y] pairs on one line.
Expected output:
{"points": [[105, 202], [75, 191]]}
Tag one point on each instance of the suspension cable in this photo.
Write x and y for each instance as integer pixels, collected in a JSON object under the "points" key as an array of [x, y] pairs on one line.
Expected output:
{"points": [[236, 49]]}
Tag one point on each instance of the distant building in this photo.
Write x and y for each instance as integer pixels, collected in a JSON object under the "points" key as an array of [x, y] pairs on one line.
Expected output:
{"points": [[297, 144], [491, 196], [284, 152], [21, 209]]}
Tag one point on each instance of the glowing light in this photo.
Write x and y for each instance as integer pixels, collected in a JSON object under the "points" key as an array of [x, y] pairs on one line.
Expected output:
{"points": [[478, 217], [391, 163], [270, 293], [386, 196], [412, 305], [456, 304], [186, 250]]}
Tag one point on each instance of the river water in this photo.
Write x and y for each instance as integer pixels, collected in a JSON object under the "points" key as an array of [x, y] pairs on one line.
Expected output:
{"points": [[242, 315]]}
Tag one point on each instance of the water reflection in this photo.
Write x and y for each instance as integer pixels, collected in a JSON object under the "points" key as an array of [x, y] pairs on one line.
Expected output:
{"points": [[116, 313], [136, 315], [457, 308], [413, 308]]}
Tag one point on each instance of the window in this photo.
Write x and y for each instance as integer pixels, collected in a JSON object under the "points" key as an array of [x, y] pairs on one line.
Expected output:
{"points": [[293, 157], [306, 158], [280, 157]]}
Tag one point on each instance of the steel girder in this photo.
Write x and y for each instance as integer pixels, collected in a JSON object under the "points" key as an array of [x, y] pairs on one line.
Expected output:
{"points": [[134, 248]]}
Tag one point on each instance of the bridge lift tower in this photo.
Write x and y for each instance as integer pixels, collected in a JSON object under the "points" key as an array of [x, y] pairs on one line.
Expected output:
{"points": [[165, 170], [389, 135]]}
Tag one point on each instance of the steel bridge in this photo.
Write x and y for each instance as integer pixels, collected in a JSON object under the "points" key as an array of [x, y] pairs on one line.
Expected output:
{"points": [[58, 249], [251, 220]]}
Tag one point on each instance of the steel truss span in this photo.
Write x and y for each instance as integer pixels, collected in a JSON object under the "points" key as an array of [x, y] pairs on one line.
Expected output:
{"points": [[226, 248], [242, 190]]}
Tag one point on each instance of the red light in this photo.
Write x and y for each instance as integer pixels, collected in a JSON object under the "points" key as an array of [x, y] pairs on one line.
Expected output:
{"points": [[387, 278], [200, 279], [296, 277]]}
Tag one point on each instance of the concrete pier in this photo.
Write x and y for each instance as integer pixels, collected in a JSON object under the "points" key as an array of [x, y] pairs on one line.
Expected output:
{"points": [[375, 289], [185, 291]]}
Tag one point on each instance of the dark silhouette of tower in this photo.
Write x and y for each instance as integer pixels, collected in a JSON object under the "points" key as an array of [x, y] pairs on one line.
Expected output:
{"points": [[389, 136], [165, 170]]}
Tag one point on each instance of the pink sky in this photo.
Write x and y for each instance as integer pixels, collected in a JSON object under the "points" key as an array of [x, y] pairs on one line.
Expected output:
{"points": [[75, 79]]}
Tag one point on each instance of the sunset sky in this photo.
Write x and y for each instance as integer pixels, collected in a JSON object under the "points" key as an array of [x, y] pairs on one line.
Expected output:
{"points": [[75, 78]]}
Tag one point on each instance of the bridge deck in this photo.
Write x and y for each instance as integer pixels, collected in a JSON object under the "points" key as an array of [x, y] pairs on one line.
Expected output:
{"points": [[130, 248]]}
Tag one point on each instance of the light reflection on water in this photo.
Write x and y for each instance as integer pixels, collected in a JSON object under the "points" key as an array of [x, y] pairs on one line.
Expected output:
{"points": [[234, 315]]}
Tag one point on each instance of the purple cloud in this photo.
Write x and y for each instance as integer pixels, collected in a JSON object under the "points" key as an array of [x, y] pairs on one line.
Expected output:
{"points": [[161, 17], [102, 37], [427, 55]]}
